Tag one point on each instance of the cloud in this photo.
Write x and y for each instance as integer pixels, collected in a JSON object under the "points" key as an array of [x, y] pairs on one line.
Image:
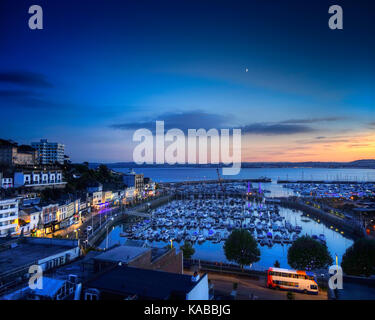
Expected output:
{"points": [[24, 99], [25, 78], [324, 140], [204, 120], [276, 129], [181, 120], [359, 145], [312, 120]]}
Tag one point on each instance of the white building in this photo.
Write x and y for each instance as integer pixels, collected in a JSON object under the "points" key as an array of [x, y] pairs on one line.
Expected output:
{"points": [[130, 193], [8, 216], [68, 212], [97, 198], [38, 178], [48, 253], [6, 181], [49, 152], [32, 216]]}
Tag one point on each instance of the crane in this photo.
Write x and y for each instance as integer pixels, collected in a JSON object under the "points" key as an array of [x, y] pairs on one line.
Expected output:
{"points": [[219, 179]]}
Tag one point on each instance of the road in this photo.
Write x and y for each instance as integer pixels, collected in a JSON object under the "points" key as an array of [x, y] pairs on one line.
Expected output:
{"points": [[223, 286], [95, 220]]}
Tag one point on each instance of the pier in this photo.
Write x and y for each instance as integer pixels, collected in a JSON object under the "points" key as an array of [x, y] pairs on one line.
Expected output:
{"points": [[349, 227], [324, 181], [215, 181]]}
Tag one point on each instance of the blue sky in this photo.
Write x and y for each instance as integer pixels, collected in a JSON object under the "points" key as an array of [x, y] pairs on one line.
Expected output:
{"points": [[101, 69]]}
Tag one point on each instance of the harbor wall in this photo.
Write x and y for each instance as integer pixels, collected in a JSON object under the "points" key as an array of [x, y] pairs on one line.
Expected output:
{"points": [[223, 268], [101, 232], [325, 181], [156, 203], [352, 229], [179, 183]]}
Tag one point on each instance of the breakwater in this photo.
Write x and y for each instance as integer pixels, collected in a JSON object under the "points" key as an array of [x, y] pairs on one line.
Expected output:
{"points": [[349, 227], [325, 181], [193, 182]]}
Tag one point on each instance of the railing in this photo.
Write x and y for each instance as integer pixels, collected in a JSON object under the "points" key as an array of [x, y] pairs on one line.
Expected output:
{"points": [[223, 268]]}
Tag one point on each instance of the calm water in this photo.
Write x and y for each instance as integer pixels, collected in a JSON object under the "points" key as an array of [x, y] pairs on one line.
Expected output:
{"points": [[337, 243], [191, 174]]}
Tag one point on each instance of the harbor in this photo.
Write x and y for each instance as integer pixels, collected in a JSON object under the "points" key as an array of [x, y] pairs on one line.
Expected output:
{"points": [[213, 220], [208, 220]]}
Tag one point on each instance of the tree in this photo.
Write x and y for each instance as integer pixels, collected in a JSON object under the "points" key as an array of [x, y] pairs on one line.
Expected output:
{"points": [[187, 249], [104, 173], [241, 248], [276, 264], [307, 253], [359, 259]]}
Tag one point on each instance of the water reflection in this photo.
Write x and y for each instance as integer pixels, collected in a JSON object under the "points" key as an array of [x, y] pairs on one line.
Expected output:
{"points": [[337, 243]]}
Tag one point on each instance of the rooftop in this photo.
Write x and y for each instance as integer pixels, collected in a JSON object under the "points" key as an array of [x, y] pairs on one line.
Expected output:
{"points": [[29, 210], [7, 143], [26, 148], [158, 252], [49, 290], [32, 250], [147, 284], [123, 254]]}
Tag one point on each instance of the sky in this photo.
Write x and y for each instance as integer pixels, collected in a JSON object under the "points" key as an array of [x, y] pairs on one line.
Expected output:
{"points": [[101, 69]]}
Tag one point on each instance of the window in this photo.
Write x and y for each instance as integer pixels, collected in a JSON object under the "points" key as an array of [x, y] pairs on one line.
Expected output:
{"points": [[313, 287]]}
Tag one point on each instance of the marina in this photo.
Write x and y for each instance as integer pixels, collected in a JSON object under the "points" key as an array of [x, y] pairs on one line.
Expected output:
{"points": [[213, 220], [208, 222], [332, 190]]}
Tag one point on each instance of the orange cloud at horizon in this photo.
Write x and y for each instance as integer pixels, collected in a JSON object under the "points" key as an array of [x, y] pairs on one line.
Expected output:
{"points": [[325, 149]]}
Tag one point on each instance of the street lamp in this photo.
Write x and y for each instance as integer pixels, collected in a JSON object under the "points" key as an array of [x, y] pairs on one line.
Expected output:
{"points": [[106, 240]]}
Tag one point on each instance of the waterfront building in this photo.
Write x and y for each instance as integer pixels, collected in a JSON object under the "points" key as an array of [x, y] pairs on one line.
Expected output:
{"points": [[8, 217], [130, 194], [96, 199], [149, 187], [49, 217], [48, 253], [68, 212], [12, 154], [39, 178], [84, 205], [117, 196], [131, 179], [49, 152], [107, 197], [30, 216]]}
